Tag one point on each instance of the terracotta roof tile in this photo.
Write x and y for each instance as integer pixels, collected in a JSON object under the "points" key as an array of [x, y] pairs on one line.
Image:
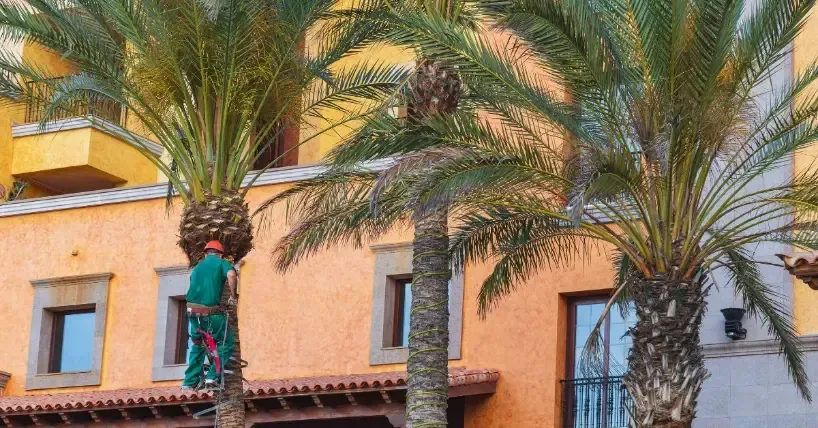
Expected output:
{"points": [[797, 259], [257, 388]]}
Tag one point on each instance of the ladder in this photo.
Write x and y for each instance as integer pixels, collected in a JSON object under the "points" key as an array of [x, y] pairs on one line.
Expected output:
{"points": [[212, 358]]}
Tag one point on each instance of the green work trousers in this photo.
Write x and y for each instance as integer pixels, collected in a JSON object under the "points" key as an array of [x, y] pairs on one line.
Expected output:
{"points": [[215, 325]]}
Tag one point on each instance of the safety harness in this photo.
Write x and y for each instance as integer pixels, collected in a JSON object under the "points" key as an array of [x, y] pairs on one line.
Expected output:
{"points": [[212, 356]]}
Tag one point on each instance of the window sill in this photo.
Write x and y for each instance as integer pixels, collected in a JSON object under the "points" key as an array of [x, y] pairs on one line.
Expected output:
{"points": [[63, 373], [401, 354], [169, 372], [62, 380]]}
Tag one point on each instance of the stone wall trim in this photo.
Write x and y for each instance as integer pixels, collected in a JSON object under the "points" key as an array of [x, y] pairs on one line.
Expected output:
{"points": [[755, 347], [393, 261], [49, 297]]}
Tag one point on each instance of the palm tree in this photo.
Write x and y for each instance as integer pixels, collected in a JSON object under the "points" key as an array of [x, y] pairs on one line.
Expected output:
{"points": [[659, 151], [340, 205], [214, 82]]}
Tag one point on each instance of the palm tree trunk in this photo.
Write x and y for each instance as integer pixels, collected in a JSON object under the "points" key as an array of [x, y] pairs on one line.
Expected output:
{"points": [[665, 365], [224, 217], [428, 378], [231, 411]]}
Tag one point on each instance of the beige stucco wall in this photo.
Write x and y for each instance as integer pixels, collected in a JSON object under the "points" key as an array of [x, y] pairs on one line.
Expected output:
{"points": [[314, 320], [805, 52]]}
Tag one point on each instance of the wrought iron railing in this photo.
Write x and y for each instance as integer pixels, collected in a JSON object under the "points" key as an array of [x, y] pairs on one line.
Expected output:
{"points": [[595, 403], [90, 104]]}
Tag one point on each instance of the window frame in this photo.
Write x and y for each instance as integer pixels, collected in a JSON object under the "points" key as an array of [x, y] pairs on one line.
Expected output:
{"points": [[571, 345], [399, 315], [182, 333], [393, 262], [52, 297], [170, 306], [56, 345]]}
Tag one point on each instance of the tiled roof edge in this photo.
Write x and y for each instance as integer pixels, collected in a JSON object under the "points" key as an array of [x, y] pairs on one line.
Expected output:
{"points": [[95, 400]]}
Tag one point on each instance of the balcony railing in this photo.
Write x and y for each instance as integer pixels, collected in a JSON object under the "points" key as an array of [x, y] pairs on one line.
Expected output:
{"points": [[595, 403], [91, 104]]}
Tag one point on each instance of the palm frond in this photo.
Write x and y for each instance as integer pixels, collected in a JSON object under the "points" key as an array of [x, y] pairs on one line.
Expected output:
{"points": [[761, 301]]}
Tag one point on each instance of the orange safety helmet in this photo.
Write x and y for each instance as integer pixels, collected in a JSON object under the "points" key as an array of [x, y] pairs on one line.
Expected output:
{"points": [[214, 245]]}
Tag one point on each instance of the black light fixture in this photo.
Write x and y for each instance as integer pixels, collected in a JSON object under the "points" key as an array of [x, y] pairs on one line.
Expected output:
{"points": [[732, 323]]}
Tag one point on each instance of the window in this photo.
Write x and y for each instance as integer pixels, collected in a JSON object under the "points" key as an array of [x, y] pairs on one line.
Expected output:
{"points": [[617, 342], [272, 151], [68, 331], [403, 306], [171, 337], [283, 145], [183, 342], [72, 341], [403, 303], [596, 397], [391, 302]]}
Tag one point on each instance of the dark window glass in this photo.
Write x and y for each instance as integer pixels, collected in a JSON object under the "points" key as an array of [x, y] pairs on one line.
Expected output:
{"points": [[403, 306], [271, 150], [403, 303], [73, 341], [183, 341]]}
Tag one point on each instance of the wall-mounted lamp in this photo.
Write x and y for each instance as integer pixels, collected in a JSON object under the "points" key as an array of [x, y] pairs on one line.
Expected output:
{"points": [[732, 323]]}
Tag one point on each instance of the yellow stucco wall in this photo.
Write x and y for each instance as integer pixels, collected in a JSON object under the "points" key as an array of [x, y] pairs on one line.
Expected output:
{"points": [[806, 299], [8, 115], [318, 145], [66, 149], [51, 151], [15, 114], [109, 154], [81, 147], [315, 320], [39, 56]]}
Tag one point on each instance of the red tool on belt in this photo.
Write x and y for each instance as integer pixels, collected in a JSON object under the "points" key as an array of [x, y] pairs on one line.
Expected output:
{"points": [[211, 349]]}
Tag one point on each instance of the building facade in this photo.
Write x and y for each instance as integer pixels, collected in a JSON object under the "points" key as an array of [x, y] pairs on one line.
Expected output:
{"points": [[93, 327]]}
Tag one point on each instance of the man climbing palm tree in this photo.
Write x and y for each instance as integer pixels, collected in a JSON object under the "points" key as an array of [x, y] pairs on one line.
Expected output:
{"points": [[215, 83], [206, 316]]}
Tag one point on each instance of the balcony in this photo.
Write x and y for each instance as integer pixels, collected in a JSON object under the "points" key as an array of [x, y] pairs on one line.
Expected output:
{"points": [[90, 105], [83, 148], [595, 403]]}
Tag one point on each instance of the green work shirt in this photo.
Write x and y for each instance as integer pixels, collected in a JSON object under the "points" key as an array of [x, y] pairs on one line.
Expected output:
{"points": [[207, 281]]}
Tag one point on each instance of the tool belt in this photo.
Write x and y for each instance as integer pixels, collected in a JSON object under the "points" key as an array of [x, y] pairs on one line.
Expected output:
{"points": [[202, 311]]}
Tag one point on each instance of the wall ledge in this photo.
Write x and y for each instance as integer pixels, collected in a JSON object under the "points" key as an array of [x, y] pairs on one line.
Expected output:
{"points": [[81, 122], [396, 246], [156, 191], [172, 270], [72, 280], [755, 347]]}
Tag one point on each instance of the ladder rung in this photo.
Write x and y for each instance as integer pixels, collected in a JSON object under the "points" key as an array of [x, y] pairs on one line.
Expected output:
{"points": [[202, 414]]}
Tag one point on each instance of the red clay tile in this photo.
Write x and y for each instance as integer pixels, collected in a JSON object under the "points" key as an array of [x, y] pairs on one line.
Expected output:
{"points": [[93, 400]]}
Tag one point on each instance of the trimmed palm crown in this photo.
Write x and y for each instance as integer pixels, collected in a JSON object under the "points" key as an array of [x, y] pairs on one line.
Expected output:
{"points": [[214, 82]]}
